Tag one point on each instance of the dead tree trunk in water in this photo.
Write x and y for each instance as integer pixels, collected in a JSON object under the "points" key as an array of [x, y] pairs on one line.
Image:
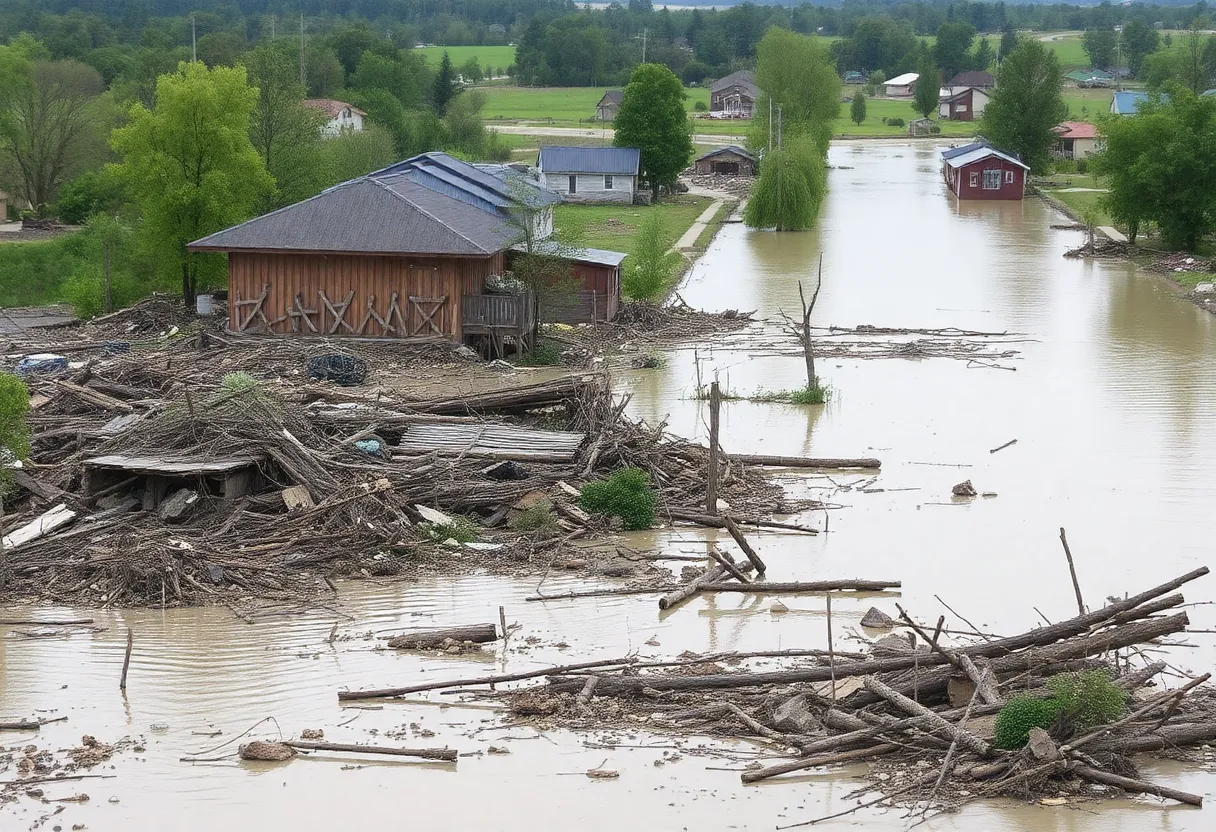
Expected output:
{"points": [[802, 330]]}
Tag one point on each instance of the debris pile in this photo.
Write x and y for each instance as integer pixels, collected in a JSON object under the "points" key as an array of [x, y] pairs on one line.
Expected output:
{"points": [[1181, 262], [734, 185], [926, 712], [1102, 247]]}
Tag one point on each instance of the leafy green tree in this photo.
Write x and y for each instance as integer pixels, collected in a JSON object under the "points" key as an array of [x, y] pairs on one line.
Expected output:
{"points": [[1197, 59], [92, 192], [1009, 41], [46, 120], [796, 73], [782, 199], [928, 85], [406, 76], [952, 50], [857, 110], [652, 118], [651, 268], [984, 56], [1139, 41], [471, 71], [1026, 105], [285, 132], [189, 164], [1099, 45], [446, 87], [1161, 166], [357, 153], [15, 443]]}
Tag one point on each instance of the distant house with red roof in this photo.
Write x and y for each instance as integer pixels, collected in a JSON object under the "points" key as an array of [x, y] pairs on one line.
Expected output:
{"points": [[342, 116], [1076, 139]]}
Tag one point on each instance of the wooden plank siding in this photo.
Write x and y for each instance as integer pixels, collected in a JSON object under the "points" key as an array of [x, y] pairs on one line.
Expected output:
{"points": [[592, 288], [374, 279]]}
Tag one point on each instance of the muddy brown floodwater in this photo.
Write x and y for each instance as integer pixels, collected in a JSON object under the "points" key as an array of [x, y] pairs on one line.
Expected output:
{"points": [[1113, 404]]}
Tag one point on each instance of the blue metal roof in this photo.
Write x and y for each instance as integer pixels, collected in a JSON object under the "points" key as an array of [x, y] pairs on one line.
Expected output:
{"points": [[1127, 103], [478, 185], [959, 151], [619, 161]]}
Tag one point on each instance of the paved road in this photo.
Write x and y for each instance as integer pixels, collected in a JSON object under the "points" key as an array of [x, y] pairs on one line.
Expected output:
{"points": [[602, 133]]}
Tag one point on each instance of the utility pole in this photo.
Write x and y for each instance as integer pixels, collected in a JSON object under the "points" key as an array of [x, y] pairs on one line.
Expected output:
{"points": [[778, 126], [303, 80], [643, 40], [193, 42]]}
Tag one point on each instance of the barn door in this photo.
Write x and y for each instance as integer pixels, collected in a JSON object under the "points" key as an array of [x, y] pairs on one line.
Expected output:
{"points": [[426, 316]]}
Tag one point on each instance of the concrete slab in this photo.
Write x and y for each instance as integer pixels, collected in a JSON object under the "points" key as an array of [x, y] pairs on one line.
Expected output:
{"points": [[1112, 233]]}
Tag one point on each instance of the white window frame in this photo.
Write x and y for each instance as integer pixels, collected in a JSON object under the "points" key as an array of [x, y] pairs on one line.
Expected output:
{"points": [[975, 178], [992, 179], [1009, 177], [607, 182]]}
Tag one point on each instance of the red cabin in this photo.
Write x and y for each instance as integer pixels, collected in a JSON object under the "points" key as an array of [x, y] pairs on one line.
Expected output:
{"points": [[980, 171]]}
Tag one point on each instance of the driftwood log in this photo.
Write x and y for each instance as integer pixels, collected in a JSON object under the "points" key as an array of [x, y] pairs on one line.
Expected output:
{"points": [[804, 462], [446, 754], [713, 576], [476, 633], [802, 586]]}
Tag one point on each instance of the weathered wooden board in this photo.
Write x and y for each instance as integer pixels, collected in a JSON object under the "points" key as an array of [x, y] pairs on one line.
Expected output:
{"points": [[172, 465], [491, 440]]}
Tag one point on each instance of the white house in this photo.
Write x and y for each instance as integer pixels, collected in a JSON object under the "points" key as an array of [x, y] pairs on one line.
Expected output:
{"points": [[342, 116], [591, 174], [901, 86]]}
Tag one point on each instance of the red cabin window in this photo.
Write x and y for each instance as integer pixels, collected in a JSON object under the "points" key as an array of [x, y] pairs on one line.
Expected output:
{"points": [[1008, 177], [975, 179]]}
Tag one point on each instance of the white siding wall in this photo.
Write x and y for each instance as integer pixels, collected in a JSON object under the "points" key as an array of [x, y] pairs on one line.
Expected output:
{"points": [[589, 187], [344, 121]]}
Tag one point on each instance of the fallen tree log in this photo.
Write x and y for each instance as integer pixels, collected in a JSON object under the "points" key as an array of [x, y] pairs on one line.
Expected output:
{"points": [[20, 725], [476, 633], [347, 695], [744, 546], [952, 732], [1167, 736], [1135, 786], [853, 756], [716, 522], [446, 754], [694, 586], [804, 462], [802, 586]]}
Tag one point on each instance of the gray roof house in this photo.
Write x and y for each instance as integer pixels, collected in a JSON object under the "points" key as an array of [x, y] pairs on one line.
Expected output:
{"points": [[591, 174], [608, 104], [403, 252]]}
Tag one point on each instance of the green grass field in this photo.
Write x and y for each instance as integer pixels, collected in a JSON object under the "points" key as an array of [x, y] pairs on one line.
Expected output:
{"points": [[497, 57], [612, 227]]}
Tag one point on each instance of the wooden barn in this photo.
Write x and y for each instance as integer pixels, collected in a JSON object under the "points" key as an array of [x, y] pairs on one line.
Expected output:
{"points": [[735, 94], [594, 291], [407, 252], [731, 160], [966, 104], [980, 171]]}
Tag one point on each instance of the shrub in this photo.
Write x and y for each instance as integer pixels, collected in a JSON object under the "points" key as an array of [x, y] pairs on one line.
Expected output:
{"points": [[461, 529], [544, 354], [700, 107], [1082, 165], [626, 494], [1020, 714], [536, 519], [896, 122], [91, 192], [812, 394], [651, 269], [935, 128], [14, 430], [239, 382], [1089, 697]]}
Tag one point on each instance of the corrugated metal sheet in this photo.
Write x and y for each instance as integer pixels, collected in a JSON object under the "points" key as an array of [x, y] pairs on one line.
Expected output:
{"points": [[391, 215], [901, 80], [620, 161], [492, 441], [172, 465], [594, 256], [962, 149]]}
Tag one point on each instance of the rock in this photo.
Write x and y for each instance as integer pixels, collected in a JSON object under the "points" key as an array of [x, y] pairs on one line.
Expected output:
{"points": [[467, 353], [1205, 288], [964, 489], [1042, 746], [616, 569], [312, 734], [270, 752], [503, 366], [179, 506], [877, 619], [215, 573], [794, 716], [498, 749], [959, 690], [778, 608]]}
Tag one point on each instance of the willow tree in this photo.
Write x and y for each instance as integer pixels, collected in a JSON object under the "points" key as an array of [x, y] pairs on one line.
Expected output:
{"points": [[782, 199], [190, 166]]}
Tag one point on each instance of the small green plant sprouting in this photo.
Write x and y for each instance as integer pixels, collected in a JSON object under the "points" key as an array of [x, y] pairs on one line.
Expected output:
{"points": [[14, 429], [239, 382], [626, 494], [544, 354], [813, 394], [1089, 697], [1020, 714], [536, 519], [461, 529]]}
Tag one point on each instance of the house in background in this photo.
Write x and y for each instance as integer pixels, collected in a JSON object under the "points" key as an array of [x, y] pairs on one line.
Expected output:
{"points": [[1090, 78], [980, 171], [1126, 103], [408, 252], [965, 105], [854, 77], [901, 86], [1076, 139], [731, 160], [977, 79], [735, 94], [606, 109], [591, 174], [342, 116]]}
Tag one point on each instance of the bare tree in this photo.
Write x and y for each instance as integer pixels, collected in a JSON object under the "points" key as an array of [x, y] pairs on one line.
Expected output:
{"points": [[802, 329], [47, 120]]}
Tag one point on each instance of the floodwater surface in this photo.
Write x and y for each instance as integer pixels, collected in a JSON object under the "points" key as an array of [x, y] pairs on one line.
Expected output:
{"points": [[1111, 396]]}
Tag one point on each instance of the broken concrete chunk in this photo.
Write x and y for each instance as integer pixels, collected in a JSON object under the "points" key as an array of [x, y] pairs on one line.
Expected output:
{"points": [[271, 752], [794, 716], [877, 619], [297, 497], [433, 516], [1042, 746], [964, 489], [179, 506]]}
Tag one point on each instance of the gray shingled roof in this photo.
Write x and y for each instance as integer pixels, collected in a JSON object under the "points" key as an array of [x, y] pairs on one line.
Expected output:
{"points": [[743, 77], [385, 215], [730, 148], [618, 161], [613, 96]]}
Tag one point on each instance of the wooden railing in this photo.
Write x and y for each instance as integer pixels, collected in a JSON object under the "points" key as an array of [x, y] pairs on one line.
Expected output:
{"points": [[497, 311]]}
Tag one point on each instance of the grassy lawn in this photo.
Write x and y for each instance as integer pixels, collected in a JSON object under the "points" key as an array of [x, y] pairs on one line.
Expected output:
{"points": [[879, 108], [557, 104], [1087, 105], [1061, 185], [612, 226], [497, 57]]}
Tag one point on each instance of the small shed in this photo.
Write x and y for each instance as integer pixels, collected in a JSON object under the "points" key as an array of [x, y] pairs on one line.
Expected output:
{"points": [[228, 477], [1127, 103], [980, 171], [731, 160], [591, 174], [1076, 139], [595, 290], [901, 86], [606, 109], [965, 105], [734, 94], [921, 127]]}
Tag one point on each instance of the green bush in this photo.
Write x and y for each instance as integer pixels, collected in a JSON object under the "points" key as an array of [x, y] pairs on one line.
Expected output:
{"points": [[461, 529], [626, 494], [537, 519], [1082, 166], [1020, 714], [87, 194], [1089, 697], [896, 122], [812, 394], [14, 430], [545, 354], [700, 107]]}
